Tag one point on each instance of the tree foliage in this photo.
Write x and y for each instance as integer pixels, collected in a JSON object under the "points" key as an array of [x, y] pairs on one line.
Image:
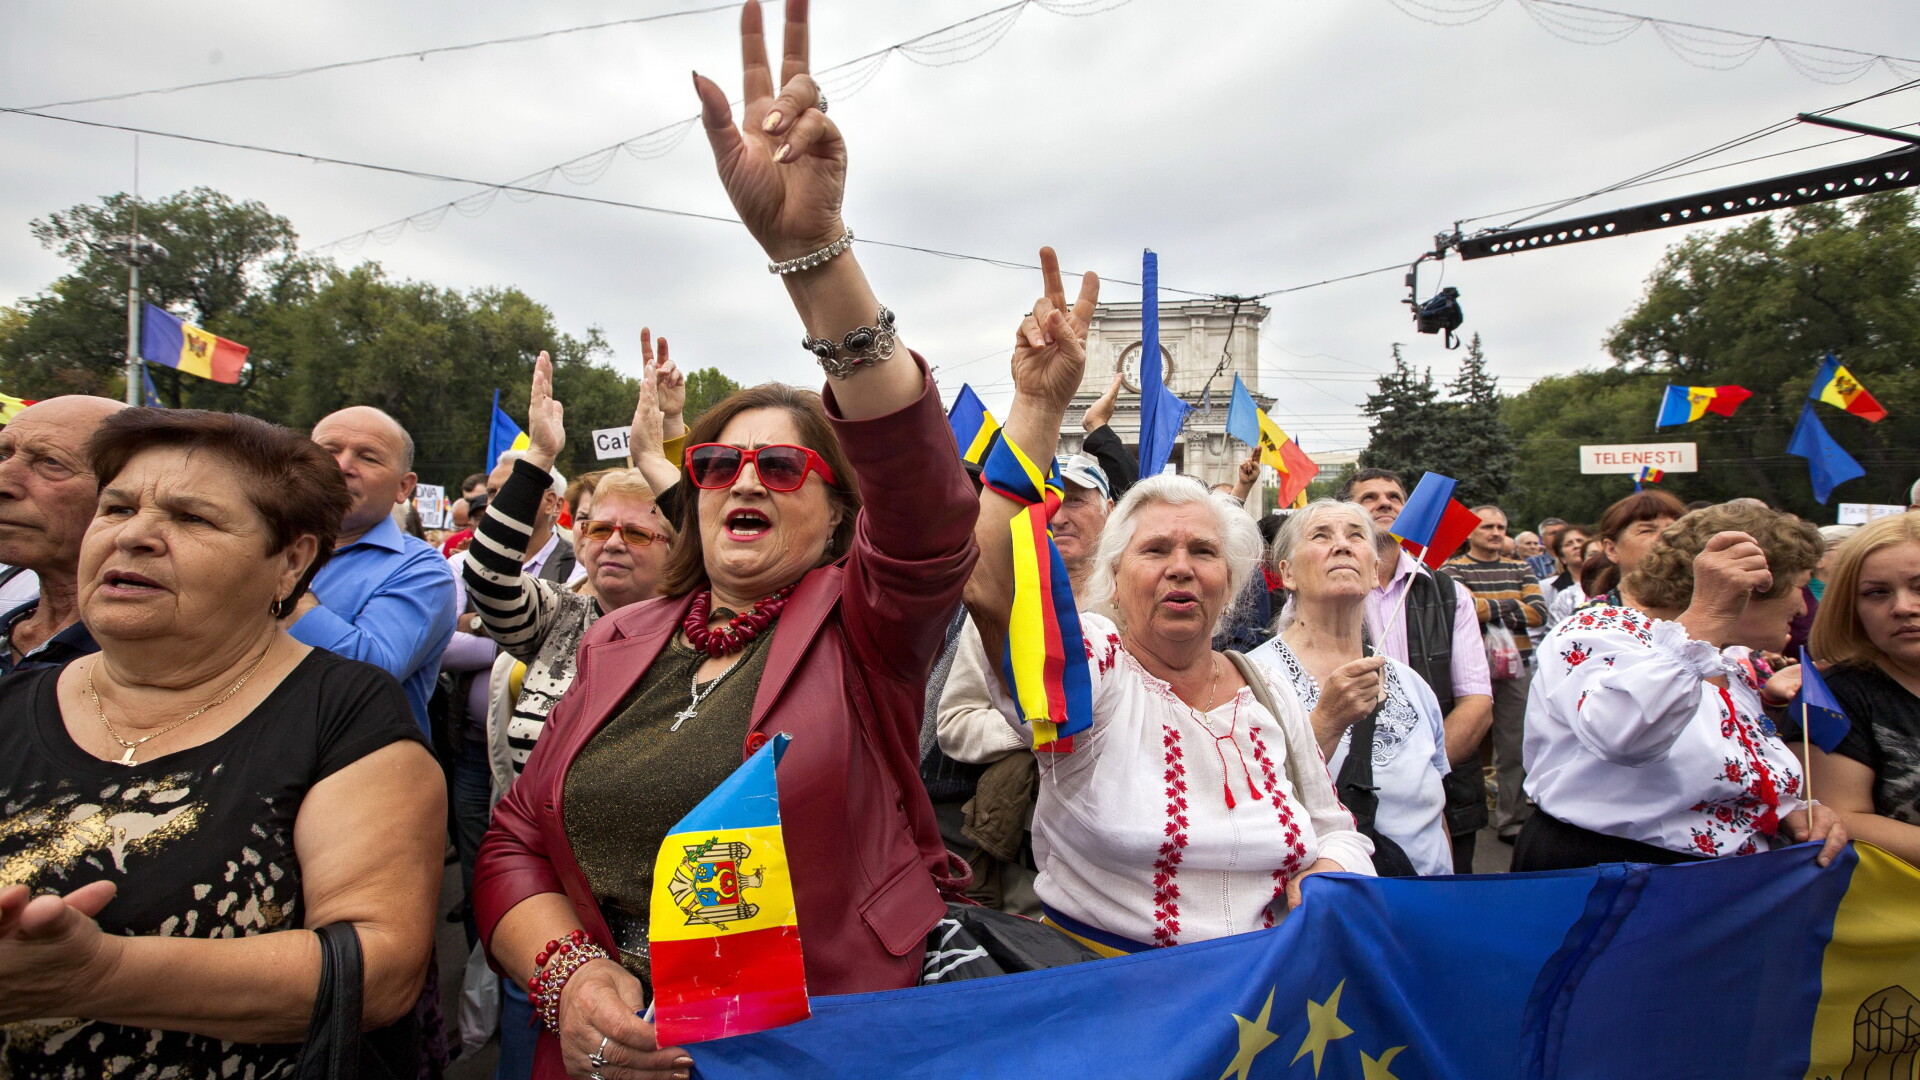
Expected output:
{"points": [[321, 337], [1464, 435], [1755, 306]]}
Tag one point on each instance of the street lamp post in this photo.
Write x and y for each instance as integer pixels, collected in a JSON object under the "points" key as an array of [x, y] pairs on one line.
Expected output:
{"points": [[134, 254]]}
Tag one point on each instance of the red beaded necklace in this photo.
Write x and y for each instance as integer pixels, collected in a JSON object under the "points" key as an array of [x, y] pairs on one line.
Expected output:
{"points": [[740, 629]]}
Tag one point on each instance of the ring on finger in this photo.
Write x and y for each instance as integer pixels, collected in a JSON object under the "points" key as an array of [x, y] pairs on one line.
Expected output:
{"points": [[822, 103], [598, 1058]]}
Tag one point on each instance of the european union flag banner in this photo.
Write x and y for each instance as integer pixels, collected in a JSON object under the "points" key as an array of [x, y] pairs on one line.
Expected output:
{"points": [[725, 933], [1757, 966], [502, 434], [167, 339], [1162, 413], [1828, 464], [973, 426]]}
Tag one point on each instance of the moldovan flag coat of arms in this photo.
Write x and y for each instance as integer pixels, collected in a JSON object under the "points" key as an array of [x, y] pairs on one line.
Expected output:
{"points": [[168, 340], [725, 930]]}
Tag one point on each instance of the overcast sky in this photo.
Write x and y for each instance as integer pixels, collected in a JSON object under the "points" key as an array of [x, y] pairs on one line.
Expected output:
{"points": [[1254, 145]]}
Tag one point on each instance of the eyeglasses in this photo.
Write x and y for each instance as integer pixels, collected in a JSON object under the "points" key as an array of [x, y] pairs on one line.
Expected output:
{"points": [[602, 531], [779, 466]]}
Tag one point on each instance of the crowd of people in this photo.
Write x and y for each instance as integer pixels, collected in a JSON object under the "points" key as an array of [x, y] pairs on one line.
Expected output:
{"points": [[245, 712]]}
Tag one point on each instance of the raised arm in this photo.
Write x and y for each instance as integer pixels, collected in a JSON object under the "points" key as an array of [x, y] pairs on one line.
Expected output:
{"points": [[1049, 354], [785, 168]]}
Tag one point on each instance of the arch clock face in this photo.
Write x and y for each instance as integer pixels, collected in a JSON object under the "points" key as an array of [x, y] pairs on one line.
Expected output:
{"points": [[1129, 367]]}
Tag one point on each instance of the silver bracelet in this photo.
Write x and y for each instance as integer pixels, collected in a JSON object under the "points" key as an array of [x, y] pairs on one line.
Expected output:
{"points": [[863, 345], [808, 262]]}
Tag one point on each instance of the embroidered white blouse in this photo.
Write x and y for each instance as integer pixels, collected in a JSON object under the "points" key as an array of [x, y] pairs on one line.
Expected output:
{"points": [[1409, 757], [1626, 737], [1165, 826]]}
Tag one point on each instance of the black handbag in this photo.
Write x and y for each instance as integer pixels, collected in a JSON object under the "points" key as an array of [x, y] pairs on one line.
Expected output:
{"points": [[335, 1048], [1357, 792]]}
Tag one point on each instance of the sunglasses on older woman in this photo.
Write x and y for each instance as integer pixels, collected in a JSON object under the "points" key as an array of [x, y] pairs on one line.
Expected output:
{"points": [[780, 467], [601, 531]]}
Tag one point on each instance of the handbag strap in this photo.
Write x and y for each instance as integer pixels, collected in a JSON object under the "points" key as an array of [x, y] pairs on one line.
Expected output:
{"points": [[332, 1050]]}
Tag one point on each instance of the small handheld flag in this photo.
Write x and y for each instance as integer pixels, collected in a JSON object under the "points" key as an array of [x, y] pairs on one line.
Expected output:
{"points": [[1651, 475], [10, 407], [1836, 386], [502, 434], [1456, 524], [1824, 721], [166, 339], [973, 426], [1044, 662], [1829, 464], [1420, 518], [149, 393], [1685, 404], [725, 932]]}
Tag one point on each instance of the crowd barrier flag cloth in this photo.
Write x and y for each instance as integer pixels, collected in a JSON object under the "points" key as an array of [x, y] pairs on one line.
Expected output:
{"points": [[973, 426], [168, 340], [1828, 464], [1044, 661], [725, 933], [1685, 404], [1836, 386], [1753, 966]]}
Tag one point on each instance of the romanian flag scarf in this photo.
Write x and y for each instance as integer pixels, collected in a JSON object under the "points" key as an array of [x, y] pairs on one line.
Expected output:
{"points": [[1045, 659]]}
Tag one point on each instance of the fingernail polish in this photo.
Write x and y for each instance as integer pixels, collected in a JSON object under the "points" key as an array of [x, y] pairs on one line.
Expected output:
{"points": [[771, 123], [682, 1063], [785, 152]]}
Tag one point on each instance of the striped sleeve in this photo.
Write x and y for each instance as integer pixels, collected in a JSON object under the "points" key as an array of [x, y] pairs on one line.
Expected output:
{"points": [[516, 608]]}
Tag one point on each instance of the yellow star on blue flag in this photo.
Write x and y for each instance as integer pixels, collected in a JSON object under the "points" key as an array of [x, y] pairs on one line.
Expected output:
{"points": [[1254, 1037], [1323, 1026], [1377, 1069]]}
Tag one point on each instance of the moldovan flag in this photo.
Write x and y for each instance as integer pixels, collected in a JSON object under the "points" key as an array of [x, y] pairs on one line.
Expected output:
{"points": [[166, 340], [725, 930], [973, 426], [10, 407], [1651, 475], [1249, 423], [502, 434], [1685, 404], [1836, 386]]}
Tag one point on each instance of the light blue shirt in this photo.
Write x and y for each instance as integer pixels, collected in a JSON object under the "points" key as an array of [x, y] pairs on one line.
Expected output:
{"points": [[387, 599]]}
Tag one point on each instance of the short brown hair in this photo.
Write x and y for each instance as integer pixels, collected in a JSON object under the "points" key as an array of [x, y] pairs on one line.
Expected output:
{"points": [[1361, 476], [686, 565], [1837, 634], [1637, 507], [1665, 577], [293, 484]]}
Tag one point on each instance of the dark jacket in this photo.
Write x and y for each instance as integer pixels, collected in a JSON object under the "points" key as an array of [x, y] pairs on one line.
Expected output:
{"points": [[846, 677]]}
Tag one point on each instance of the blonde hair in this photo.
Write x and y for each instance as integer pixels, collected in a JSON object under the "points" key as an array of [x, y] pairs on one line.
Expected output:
{"points": [[1837, 635], [627, 484], [1239, 540], [1665, 576]]}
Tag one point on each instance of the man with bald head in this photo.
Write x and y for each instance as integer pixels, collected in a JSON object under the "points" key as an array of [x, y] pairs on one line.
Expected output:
{"points": [[47, 498], [385, 597]]}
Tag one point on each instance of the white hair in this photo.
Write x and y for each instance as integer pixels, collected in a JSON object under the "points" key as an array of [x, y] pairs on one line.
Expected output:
{"points": [[1288, 539], [559, 482], [1239, 539]]}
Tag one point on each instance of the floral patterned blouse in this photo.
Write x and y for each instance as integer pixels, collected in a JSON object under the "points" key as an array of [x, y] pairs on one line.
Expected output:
{"points": [[1626, 737]]}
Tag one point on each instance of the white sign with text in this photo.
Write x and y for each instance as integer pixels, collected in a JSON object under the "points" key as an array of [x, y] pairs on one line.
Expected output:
{"points": [[610, 443], [430, 501], [1632, 457], [1861, 513]]}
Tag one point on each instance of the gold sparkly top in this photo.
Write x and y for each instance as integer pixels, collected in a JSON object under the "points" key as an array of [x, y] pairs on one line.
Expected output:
{"points": [[636, 778]]}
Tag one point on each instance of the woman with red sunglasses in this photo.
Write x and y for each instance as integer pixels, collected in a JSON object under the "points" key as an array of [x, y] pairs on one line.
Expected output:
{"points": [[816, 566]]}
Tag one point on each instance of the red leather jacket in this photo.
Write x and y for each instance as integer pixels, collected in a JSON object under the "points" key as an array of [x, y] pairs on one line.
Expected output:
{"points": [[846, 677]]}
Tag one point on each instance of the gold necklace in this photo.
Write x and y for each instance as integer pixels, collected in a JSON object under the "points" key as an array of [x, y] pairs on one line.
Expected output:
{"points": [[130, 747]]}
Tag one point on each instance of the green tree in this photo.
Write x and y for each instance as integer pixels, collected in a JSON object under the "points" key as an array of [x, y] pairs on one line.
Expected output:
{"points": [[1477, 449], [705, 387], [1409, 421]]}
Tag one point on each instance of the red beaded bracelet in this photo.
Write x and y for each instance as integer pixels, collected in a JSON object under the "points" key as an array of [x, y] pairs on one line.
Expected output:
{"points": [[557, 963]]}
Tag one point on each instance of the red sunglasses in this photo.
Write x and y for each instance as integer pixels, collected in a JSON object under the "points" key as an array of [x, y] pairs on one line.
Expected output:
{"points": [[779, 466]]}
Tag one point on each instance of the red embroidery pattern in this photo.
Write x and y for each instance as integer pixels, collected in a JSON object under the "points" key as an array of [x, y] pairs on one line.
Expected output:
{"points": [[1166, 891], [1109, 657], [1755, 806], [1625, 620], [1296, 851]]}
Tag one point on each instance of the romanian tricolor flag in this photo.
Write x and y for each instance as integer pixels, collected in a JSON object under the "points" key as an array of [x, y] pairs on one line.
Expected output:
{"points": [[973, 426], [725, 930], [166, 340], [10, 407], [502, 434], [1836, 386], [1685, 404], [1045, 659], [1249, 423]]}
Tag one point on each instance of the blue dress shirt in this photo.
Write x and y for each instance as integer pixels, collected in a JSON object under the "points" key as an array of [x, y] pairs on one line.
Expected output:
{"points": [[69, 644], [387, 599]]}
